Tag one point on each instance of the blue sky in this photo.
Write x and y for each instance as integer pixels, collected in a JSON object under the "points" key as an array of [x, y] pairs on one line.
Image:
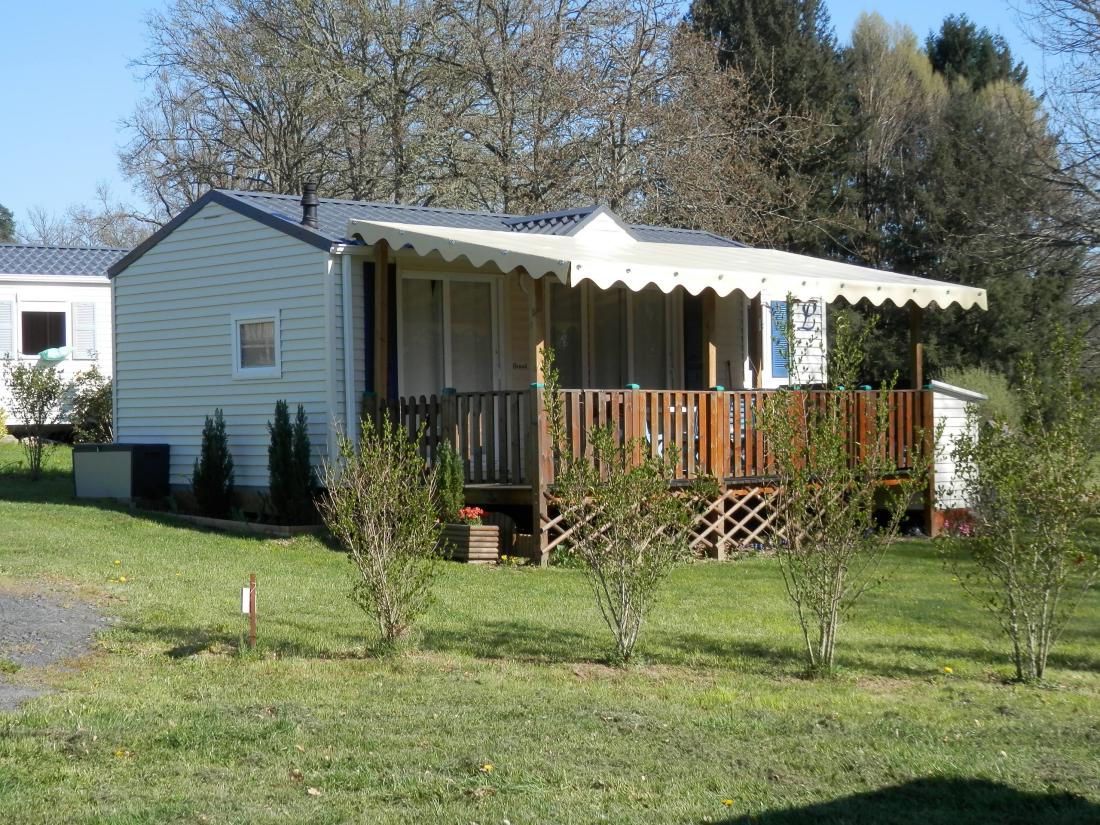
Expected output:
{"points": [[67, 83]]}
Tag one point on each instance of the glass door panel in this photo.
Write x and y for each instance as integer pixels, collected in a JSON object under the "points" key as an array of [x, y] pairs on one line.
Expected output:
{"points": [[471, 350], [422, 363], [565, 333], [609, 338], [651, 350]]}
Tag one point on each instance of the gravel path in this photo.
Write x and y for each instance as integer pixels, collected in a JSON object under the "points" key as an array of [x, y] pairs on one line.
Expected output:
{"points": [[37, 631]]}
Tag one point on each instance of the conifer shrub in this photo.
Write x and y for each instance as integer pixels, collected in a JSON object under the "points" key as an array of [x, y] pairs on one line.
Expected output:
{"points": [[212, 480], [291, 479]]}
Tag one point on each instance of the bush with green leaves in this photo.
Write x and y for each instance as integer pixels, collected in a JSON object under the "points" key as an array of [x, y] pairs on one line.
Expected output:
{"points": [[379, 503], [1003, 400], [36, 394], [1030, 491], [92, 408], [451, 489], [628, 527], [825, 533], [291, 479], [212, 480]]}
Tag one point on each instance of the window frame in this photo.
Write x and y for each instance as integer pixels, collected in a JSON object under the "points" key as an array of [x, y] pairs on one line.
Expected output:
{"points": [[60, 307], [251, 317]]}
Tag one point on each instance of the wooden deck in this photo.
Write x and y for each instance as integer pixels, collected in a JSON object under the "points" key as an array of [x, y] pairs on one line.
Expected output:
{"points": [[503, 440]]}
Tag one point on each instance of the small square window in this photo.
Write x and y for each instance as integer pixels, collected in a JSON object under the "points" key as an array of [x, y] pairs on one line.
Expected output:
{"points": [[42, 331], [256, 345]]}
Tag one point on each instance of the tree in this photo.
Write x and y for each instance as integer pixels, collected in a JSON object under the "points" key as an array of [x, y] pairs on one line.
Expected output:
{"points": [[1031, 493], [378, 503], [7, 225], [960, 50], [92, 408], [828, 491], [212, 479], [37, 395], [1068, 32], [627, 525], [916, 141], [290, 471], [107, 222]]}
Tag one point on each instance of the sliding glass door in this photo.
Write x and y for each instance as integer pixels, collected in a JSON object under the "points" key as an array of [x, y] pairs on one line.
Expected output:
{"points": [[447, 334]]}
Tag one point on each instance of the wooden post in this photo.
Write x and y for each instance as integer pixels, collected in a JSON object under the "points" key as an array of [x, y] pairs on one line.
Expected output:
{"points": [[251, 609], [928, 423], [916, 345], [710, 339], [538, 328], [382, 300], [540, 468], [756, 342]]}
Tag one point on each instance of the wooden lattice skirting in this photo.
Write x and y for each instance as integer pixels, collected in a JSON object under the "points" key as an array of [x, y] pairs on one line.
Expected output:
{"points": [[737, 518]]}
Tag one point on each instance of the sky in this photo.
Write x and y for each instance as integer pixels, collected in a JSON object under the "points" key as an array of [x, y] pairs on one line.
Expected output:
{"points": [[66, 83]]}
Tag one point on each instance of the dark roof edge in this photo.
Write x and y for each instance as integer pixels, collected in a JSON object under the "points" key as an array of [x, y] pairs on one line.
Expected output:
{"points": [[295, 230]]}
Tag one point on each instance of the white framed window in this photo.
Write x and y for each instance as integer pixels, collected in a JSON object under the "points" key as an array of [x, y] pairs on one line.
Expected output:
{"points": [[447, 332], [255, 338]]}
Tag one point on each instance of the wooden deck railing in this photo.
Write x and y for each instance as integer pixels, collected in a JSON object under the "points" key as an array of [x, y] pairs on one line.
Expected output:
{"points": [[501, 436]]}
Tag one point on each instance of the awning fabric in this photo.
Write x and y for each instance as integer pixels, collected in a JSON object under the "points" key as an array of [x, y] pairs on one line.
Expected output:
{"points": [[605, 261]]}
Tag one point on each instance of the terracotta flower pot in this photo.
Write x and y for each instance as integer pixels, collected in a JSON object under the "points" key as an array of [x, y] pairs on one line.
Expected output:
{"points": [[474, 543]]}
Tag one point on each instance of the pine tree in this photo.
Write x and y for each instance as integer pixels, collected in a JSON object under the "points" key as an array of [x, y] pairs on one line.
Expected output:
{"points": [[290, 473], [212, 481]]}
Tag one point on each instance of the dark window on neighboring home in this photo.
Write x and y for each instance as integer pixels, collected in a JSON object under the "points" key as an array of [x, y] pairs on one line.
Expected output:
{"points": [[42, 331]]}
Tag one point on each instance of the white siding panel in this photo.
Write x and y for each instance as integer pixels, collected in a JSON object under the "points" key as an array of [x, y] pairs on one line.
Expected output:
{"points": [[81, 295], [953, 414], [808, 317], [172, 330]]}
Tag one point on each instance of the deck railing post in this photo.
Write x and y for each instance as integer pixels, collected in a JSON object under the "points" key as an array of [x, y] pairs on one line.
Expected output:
{"points": [[928, 430], [540, 469]]}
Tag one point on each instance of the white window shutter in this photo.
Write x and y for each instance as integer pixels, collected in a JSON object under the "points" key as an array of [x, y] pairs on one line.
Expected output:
{"points": [[84, 346], [7, 329]]}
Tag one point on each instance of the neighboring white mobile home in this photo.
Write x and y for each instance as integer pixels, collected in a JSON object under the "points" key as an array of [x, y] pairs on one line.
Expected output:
{"points": [[247, 298], [55, 306]]}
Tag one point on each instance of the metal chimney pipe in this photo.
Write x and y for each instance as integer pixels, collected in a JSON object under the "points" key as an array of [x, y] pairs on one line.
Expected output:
{"points": [[309, 205]]}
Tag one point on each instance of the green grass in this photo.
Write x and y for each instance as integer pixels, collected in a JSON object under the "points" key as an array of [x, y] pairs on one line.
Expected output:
{"points": [[168, 721]]}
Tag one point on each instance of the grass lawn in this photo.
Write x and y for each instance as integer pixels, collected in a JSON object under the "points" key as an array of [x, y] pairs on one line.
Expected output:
{"points": [[167, 721]]}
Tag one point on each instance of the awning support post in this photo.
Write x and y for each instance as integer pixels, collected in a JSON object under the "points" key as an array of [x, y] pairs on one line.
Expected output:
{"points": [[916, 345], [381, 320], [538, 328], [710, 339], [756, 341]]}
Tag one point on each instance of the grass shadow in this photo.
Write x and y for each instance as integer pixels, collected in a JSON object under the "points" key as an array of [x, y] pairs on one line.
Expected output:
{"points": [[514, 641], [936, 801]]}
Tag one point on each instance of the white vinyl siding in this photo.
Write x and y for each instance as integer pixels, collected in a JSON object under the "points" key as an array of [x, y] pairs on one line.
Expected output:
{"points": [[174, 362], [950, 411], [23, 293], [808, 319]]}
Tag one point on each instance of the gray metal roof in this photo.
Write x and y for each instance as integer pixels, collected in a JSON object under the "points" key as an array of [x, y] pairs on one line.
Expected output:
{"points": [[284, 213], [333, 216], [30, 259]]}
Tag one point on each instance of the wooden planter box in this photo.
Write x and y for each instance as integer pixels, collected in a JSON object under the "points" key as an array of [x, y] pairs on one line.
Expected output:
{"points": [[474, 543]]}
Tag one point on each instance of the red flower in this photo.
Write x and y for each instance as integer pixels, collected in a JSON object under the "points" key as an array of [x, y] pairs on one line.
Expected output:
{"points": [[470, 515]]}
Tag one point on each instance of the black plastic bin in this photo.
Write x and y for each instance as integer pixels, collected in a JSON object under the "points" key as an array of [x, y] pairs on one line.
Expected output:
{"points": [[129, 471]]}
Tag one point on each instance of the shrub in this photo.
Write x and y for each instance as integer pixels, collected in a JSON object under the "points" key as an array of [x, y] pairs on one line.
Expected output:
{"points": [[37, 394], [212, 481], [92, 408], [1030, 491], [1004, 401], [451, 492], [3, 423], [290, 473], [824, 531], [629, 528], [379, 505]]}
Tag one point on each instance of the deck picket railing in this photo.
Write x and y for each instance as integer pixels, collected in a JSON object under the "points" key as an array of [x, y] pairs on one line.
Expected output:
{"points": [[501, 435]]}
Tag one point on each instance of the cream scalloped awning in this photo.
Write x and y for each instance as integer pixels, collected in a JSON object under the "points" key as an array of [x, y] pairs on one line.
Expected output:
{"points": [[609, 257]]}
